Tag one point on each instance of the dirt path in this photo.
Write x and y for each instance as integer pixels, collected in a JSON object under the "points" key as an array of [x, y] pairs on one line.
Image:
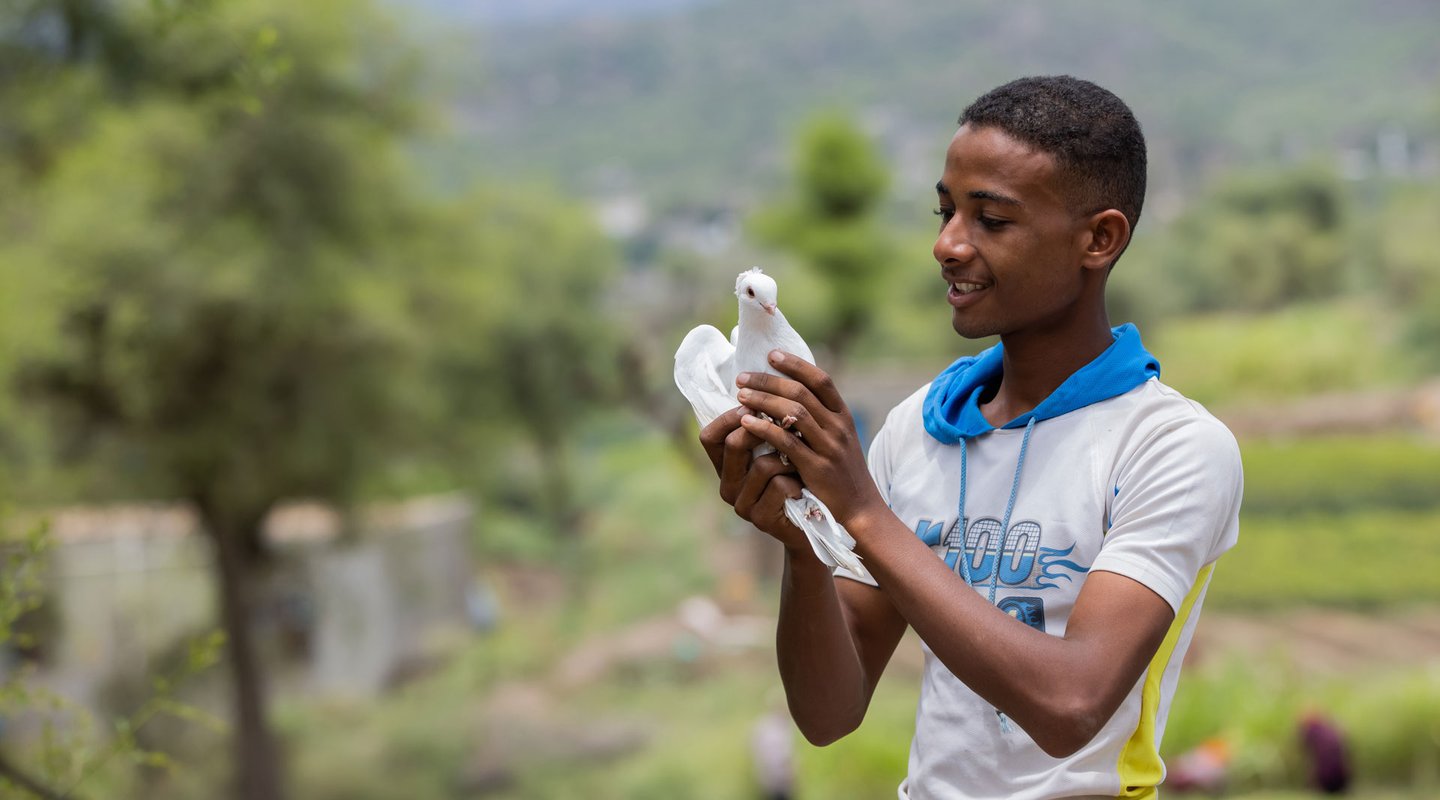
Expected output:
{"points": [[1322, 641]]}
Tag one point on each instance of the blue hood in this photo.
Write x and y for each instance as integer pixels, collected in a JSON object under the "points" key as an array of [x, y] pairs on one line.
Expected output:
{"points": [[952, 406]]}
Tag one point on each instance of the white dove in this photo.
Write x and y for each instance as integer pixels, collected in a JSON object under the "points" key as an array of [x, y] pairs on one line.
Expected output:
{"points": [[705, 368]]}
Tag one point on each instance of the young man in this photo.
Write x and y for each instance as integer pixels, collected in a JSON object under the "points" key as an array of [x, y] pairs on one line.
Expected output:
{"points": [[1045, 515]]}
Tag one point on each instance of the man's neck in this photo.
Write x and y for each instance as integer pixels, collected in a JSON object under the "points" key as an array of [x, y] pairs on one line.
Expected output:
{"points": [[1036, 365]]}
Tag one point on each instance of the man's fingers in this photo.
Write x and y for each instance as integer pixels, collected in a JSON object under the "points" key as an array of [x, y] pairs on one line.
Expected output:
{"points": [[735, 463], [778, 438], [788, 414], [792, 391], [712, 436], [771, 504], [812, 377], [788, 486], [765, 469]]}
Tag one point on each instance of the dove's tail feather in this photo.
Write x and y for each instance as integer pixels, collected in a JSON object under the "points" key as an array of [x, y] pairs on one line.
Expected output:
{"points": [[704, 373], [832, 543]]}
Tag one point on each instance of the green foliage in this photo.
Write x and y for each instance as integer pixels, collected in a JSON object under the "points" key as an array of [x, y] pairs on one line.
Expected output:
{"points": [[724, 80], [246, 297], [1389, 722], [71, 753], [1362, 559], [839, 174], [1230, 359], [194, 236], [522, 340], [1342, 521], [1259, 240], [830, 225], [1336, 474], [236, 255], [1407, 253], [23, 566]]}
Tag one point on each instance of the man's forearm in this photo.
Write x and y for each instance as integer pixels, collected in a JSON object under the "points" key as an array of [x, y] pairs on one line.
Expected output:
{"points": [[1059, 689], [820, 666]]}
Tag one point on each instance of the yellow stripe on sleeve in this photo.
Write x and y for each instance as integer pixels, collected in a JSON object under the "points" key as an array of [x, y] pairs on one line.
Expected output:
{"points": [[1141, 769]]}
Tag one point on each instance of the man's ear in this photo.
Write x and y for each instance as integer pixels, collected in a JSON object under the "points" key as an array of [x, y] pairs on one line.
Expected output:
{"points": [[1105, 236]]}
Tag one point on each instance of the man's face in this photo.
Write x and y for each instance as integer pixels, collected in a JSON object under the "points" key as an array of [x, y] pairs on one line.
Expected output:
{"points": [[1009, 244]]}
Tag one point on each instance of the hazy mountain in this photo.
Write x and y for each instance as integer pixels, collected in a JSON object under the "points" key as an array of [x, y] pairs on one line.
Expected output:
{"points": [[506, 12], [696, 105]]}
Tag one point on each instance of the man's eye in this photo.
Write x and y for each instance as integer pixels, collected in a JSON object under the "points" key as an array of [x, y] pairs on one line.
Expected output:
{"points": [[944, 214], [993, 223]]}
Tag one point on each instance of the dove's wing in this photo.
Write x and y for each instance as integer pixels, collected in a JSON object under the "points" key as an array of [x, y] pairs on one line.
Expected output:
{"points": [[705, 373], [788, 339]]}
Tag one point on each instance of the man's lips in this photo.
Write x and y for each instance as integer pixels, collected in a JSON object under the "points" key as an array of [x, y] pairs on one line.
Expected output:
{"points": [[963, 292]]}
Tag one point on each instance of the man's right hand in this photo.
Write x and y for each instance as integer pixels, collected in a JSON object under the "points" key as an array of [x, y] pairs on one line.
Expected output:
{"points": [[756, 487]]}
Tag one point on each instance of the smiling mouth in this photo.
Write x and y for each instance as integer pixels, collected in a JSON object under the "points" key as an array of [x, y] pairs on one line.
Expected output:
{"points": [[964, 293]]}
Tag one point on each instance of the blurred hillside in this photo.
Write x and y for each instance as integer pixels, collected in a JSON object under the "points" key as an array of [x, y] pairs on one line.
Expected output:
{"points": [[692, 105]]}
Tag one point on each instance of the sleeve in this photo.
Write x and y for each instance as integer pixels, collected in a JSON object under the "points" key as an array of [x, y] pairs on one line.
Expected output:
{"points": [[1176, 507], [880, 463]]}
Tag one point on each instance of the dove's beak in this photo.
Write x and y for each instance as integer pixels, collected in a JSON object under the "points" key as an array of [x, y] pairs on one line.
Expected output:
{"points": [[769, 308]]}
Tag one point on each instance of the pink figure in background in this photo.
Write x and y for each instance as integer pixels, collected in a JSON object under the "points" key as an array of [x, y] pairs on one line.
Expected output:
{"points": [[1202, 769]]}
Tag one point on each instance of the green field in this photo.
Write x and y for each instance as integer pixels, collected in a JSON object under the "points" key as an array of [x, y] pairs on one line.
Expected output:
{"points": [[1348, 522]]}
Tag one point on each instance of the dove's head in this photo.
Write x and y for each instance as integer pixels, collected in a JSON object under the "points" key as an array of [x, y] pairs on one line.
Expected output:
{"points": [[755, 287]]}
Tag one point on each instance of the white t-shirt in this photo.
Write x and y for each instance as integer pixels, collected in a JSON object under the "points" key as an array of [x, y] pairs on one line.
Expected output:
{"points": [[1146, 484]]}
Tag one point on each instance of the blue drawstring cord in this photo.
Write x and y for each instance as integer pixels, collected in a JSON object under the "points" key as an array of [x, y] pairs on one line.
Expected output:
{"points": [[1004, 523], [964, 531], [1004, 531]]}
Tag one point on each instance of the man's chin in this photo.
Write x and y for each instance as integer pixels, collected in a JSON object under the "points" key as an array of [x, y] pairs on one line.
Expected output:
{"points": [[971, 328]]}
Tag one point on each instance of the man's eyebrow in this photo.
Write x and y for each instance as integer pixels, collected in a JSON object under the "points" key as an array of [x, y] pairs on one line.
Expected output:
{"points": [[980, 194]]}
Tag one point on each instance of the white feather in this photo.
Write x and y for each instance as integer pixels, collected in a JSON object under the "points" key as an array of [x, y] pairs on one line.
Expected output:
{"points": [[705, 369], [705, 372]]}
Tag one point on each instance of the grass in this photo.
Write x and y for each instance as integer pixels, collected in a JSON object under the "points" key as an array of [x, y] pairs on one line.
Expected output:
{"points": [[1390, 722], [1364, 559], [1340, 473], [1234, 358], [1341, 521], [1347, 521]]}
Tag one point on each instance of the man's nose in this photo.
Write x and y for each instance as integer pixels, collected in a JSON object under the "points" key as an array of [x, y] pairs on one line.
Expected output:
{"points": [[952, 246]]}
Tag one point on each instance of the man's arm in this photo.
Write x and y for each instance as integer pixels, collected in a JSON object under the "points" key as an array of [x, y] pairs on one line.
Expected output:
{"points": [[833, 642], [1061, 690], [834, 637]]}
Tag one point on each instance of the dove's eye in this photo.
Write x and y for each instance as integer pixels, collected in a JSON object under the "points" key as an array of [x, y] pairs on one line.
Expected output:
{"points": [[750, 292]]}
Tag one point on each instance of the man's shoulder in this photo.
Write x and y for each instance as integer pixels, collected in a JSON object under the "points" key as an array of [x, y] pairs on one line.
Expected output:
{"points": [[1166, 406], [1159, 419], [1154, 405]]}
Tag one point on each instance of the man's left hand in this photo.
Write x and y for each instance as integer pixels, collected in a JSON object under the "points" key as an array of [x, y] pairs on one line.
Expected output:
{"points": [[813, 428]]}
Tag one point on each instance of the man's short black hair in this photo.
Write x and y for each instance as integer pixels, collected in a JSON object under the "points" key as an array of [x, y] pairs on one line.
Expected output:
{"points": [[1091, 133]]}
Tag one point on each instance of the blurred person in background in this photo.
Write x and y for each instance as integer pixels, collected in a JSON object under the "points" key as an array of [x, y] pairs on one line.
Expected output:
{"points": [[772, 749]]}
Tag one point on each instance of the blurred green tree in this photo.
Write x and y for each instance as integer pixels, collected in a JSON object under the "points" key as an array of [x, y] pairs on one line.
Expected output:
{"points": [[1407, 256], [1258, 241], [831, 224], [525, 342], [233, 292], [219, 214]]}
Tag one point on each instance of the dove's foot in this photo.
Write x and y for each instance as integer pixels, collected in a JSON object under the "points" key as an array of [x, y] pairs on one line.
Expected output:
{"points": [[814, 512]]}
